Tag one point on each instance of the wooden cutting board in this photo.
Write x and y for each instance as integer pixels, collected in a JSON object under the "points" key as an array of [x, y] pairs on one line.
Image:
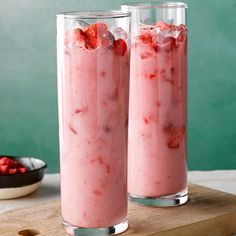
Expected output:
{"points": [[208, 212]]}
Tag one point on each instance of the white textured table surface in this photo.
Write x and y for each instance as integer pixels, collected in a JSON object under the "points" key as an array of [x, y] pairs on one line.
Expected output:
{"points": [[50, 189]]}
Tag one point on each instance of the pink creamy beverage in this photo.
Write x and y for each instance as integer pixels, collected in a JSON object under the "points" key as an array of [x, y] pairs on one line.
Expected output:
{"points": [[157, 109], [93, 86]]}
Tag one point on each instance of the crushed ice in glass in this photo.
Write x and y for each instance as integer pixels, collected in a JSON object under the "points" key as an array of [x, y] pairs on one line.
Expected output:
{"points": [[119, 33]]}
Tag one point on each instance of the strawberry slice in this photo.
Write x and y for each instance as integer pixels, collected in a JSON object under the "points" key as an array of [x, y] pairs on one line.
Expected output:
{"points": [[120, 47], [176, 135], [94, 34]]}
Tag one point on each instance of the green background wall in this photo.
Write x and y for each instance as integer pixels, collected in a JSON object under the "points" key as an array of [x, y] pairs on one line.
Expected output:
{"points": [[28, 98]]}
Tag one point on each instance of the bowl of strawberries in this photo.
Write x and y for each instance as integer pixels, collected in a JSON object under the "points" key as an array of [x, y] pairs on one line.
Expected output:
{"points": [[20, 176]]}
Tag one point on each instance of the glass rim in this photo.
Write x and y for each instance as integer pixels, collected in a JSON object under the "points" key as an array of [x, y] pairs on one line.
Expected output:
{"points": [[93, 14], [144, 5]]}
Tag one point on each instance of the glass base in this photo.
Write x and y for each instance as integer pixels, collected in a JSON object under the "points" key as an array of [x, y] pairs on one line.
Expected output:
{"points": [[163, 201], [80, 231]]}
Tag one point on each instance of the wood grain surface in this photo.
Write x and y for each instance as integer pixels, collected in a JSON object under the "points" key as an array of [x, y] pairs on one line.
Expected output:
{"points": [[208, 212]]}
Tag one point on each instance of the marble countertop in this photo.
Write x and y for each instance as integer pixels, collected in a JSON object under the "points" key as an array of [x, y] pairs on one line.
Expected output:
{"points": [[224, 180]]}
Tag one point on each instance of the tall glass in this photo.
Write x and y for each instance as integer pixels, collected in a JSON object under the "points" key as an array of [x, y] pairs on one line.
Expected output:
{"points": [[93, 85], [157, 158]]}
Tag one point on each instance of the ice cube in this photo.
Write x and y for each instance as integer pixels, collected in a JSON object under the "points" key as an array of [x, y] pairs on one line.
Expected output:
{"points": [[80, 24], [162, 34], [118, 33]]}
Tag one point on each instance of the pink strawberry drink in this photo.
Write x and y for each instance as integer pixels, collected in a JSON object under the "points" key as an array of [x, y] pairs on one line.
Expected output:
{"points": [[93, 81], [157, 116]]}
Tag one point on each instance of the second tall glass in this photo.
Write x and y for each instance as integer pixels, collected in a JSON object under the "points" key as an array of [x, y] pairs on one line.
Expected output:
{"points": [[157, 166], [93, 85]]}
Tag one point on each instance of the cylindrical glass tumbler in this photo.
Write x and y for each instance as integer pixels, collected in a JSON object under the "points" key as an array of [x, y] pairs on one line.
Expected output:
{"points": [[93, 54], [157, 158]]}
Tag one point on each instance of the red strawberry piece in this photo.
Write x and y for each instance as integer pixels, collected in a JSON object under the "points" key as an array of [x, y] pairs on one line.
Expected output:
{"points": [[169, 43], [181, 37], [152, 76], [14, 164], [146, 38], [72, 129], [182, 33], [101, 28], [100, 160], [10, 166], [158, 103], [22, 170], [78, 110], [13, 171], [120, 47], [108, 169], [74, 36], [97, 192], [4, 169], [168, 128], [79, 35], [103, 73], [146, 120], [150, 118], [94, 34], [5, 161], [162, 25], [106, 128], [175, 137], [155, 47], [182, 27]]}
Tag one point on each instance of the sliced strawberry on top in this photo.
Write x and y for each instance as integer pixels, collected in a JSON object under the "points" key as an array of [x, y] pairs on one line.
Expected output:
{"points": [[94, 34], [175, 137], [120, 47]]}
